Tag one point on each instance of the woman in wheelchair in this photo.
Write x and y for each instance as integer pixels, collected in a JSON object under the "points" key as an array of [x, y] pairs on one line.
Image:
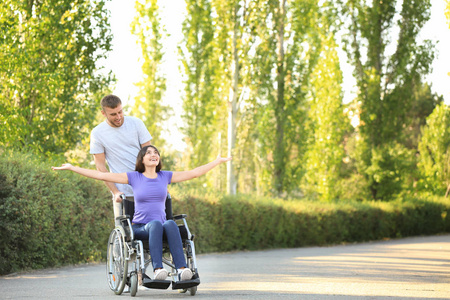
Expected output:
{"points": [[149, 185]]}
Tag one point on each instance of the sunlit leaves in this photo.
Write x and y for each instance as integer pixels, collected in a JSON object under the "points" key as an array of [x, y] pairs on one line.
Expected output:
{"points": [[434, 147], [382, 45], [326, 124], [147, 106], [48, 71], [205, 57]]}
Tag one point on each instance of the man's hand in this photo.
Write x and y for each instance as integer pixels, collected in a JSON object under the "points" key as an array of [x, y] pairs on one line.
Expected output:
{"points": [[117, 197]]}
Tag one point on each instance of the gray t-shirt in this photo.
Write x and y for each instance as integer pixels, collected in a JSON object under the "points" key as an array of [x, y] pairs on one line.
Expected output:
{"points": [[121, 146]]}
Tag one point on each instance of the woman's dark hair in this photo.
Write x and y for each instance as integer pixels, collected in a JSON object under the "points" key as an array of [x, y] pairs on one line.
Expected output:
{"points": [[140, 165]]}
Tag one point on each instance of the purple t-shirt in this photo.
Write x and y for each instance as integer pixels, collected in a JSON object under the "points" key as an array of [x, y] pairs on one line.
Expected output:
{"points": [[149, 196]]}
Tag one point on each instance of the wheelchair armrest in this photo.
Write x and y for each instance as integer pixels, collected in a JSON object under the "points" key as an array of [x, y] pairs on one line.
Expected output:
{"points": [[122, 217], [179, 217]]}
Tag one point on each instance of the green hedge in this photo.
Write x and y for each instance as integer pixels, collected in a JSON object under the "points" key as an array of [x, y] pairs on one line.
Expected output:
{"points": [[48, 218], [52, 218], [224, 223]]}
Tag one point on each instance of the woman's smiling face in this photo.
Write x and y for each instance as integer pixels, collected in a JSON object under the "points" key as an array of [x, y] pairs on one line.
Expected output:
{"points": [[148, 156], [151, 156]]}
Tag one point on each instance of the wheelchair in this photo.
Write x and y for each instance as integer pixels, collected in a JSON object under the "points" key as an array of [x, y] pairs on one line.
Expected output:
{"points": [[128, 258]]}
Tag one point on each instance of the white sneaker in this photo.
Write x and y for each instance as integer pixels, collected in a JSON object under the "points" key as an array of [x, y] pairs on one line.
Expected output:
{"points": [[184, 274], [161, 274], [143, 288]]}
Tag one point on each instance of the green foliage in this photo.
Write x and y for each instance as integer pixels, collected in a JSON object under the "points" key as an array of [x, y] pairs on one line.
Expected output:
{"points": [[422, 105], [287, 51], [353, 187], [49, 219], [246, 222], [391, 169], [252, 61], [203, 105], [326, 124], [434, 147], [48, 71], [388, 83], [290, 133], [148, 107]]}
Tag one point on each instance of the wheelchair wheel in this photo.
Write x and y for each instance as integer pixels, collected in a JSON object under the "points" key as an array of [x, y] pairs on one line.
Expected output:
{"points": [[133, 284], [193, 290], [116, 262]]}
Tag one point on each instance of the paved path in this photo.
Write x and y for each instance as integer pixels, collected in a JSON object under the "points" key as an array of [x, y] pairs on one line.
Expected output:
{"points": [[411, 268]]}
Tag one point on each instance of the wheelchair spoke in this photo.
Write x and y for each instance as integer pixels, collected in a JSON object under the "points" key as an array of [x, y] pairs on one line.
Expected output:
{"points": [[116, 261]]}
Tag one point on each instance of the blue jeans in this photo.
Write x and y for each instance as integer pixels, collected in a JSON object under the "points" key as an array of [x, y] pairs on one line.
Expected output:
{"points": [[153, 232]]}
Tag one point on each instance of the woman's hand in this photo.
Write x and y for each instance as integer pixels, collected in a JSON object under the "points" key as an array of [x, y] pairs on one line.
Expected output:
{"points": [[63, 167], [220, 159], [199, 171]]}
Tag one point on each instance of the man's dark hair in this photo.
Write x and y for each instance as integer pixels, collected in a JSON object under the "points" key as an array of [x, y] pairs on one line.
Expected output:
{"points": [[110, 101]]}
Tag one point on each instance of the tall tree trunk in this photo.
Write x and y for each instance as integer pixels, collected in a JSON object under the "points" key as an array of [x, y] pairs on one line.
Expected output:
{"points": [[232, 109], [279, 151]]}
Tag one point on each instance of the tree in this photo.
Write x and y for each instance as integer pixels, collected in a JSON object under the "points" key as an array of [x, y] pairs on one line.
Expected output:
{"points": [[204, 108], [284, 61], [327, 124], [49, 73], [217, 40], [386, 79], [434, 147], [423, 102], [235, 35], [148, 105]]}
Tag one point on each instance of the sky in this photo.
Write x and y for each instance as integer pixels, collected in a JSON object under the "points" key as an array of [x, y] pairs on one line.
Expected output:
{"points": [[125, 59]]}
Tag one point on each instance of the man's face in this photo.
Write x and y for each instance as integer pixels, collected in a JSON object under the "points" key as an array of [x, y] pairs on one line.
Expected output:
{"points": [[114, 116]]}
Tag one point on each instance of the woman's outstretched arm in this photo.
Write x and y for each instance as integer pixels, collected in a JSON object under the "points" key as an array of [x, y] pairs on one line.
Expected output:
{"points": [[199, 171], [105, 176]]}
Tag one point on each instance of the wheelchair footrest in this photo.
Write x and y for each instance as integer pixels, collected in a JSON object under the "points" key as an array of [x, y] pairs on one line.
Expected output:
{"points": [[156, 284], [179, 285]]}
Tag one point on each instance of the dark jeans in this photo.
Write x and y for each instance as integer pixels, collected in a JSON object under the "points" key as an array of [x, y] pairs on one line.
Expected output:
{"points": [[153, 231]]}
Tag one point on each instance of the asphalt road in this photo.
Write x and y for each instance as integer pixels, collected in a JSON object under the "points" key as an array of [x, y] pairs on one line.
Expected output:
{"points": [[411, 268]]}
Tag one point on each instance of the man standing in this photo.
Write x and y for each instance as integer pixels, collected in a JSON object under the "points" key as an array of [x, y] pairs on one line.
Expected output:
{"points": [[117, 141]]}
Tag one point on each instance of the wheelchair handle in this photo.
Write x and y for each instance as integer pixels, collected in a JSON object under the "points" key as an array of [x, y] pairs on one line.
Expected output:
{"points": [[179, 217]]}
